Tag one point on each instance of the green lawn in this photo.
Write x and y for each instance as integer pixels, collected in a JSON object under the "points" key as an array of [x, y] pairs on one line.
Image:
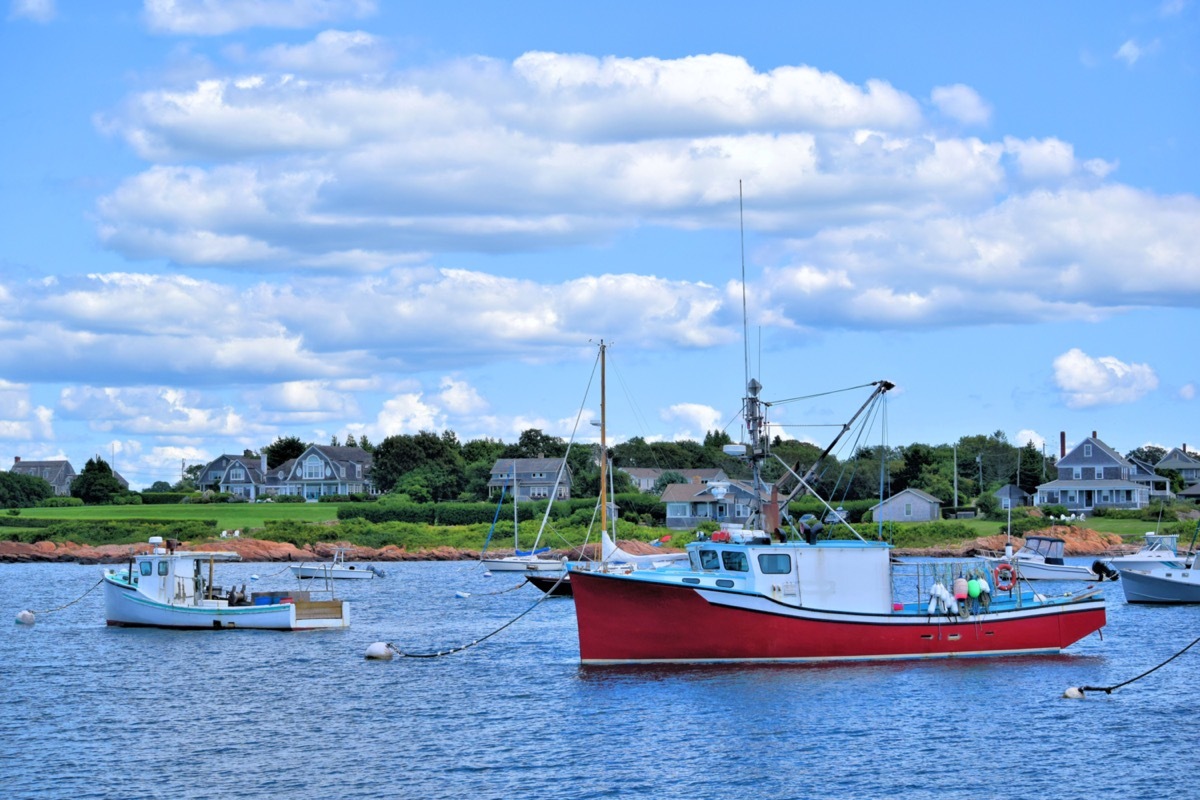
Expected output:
{"points": [[1129, 529], [231, 516]]}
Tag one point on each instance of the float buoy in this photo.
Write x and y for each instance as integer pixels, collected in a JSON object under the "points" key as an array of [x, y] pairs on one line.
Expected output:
{"points": [[379, 651], [460, 594], [25, 618]]}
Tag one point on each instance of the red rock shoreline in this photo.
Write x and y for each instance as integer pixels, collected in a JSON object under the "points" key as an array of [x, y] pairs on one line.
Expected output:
{"points": [[1079, 542]]}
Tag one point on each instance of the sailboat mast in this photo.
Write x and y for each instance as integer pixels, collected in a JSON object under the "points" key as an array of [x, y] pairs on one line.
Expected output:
{"points": [[514, 467], [603, 451]]}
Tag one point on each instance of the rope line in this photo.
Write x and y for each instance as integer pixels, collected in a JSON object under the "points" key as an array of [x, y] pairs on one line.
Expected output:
{"points": [[481, 639], [73, 602], [1111, 689], [502, 591]]}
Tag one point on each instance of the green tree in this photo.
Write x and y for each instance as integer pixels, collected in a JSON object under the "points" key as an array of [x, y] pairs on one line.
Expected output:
{"points": [[532, 443], [398, 455], [666, 479], [1150, 453], [351, 441], [365, 444], [1028, 475], [159, 486], [282, 450], [634, 452], [23, 491], [96, 485]]}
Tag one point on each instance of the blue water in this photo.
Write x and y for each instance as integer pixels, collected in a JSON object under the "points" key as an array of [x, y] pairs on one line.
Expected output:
{"points": [[89, 711]]}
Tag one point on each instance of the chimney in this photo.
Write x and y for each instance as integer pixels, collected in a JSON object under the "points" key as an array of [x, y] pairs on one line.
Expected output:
{"points": [[1062, 444], [17, 459], [262, 463], [1094, 435]]}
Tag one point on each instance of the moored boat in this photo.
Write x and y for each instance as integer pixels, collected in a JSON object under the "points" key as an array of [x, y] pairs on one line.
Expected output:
{"points": [[1170, 581], [336, 569], [170, 588], [780, 594], [1040, 558]]}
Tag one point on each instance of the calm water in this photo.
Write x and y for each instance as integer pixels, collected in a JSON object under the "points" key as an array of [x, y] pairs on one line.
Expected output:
{"points": [[89, 711]]}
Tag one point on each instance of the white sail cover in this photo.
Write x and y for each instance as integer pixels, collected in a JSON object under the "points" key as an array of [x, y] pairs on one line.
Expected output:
{"points": [[610, 552]]}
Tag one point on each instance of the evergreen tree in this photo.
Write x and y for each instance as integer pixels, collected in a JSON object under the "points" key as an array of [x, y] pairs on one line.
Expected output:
{"points": [[283, 449], [96, 485]]}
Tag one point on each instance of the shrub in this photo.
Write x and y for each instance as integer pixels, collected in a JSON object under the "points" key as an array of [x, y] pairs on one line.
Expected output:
{"points": [[163, 498], [60, 502]]}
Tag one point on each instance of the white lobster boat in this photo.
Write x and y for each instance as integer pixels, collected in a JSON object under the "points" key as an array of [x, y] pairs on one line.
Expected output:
{"points": [[337, 569], [167, 588]]}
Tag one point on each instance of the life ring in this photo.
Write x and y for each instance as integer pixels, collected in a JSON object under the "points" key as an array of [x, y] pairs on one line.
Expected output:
{"points": [[1006, 577]]}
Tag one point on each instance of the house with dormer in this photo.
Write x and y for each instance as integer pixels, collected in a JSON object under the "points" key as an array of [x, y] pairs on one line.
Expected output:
{"points": [[319, 470], [535, 478], [644, 478], [1183, 462], [57, 472], [1090, 476]]}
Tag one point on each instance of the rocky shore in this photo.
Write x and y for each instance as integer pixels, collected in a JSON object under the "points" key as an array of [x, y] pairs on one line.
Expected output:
{"points": [[1079, 542]]}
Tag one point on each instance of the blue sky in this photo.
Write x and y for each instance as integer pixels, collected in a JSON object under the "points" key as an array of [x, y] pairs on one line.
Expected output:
{"points": [[229, 221]]}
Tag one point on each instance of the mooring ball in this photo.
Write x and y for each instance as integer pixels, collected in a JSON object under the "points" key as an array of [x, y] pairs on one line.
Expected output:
{"points": [[1073, 693], [25, 618], [379, 651]]}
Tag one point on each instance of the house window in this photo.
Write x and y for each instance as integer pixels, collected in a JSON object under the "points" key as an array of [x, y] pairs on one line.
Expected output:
{"points": [[908, 509], [1087, 451], [1078, 473], [677, 509], [237, 474], [312, 468], [538, 491]]}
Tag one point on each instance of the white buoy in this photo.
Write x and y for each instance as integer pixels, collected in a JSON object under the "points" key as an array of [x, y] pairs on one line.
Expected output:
{"points": [[25, 618], [253, 577], [1073, 693], [461, 594], [487, 573], [379, 651]]}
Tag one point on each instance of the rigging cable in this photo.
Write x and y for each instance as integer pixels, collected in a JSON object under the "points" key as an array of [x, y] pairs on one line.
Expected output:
{"points": [[1078, 691], [481, 639]]}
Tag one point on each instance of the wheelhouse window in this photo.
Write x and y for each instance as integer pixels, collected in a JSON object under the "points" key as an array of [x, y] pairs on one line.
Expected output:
{"points": [[709, 560], [775, 563], [735, 561], [146, 568], [163, 567]]}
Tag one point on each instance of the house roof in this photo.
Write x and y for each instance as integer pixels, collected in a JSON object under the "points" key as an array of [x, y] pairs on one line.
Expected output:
{"points": [[1076, 458], [702, 493], [504, 466], [1178, 459], [1100, 483]]}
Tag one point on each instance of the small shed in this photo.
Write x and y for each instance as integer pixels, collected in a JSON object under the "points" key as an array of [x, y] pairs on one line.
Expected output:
{"points": [[1014, 495], [910, 505]]}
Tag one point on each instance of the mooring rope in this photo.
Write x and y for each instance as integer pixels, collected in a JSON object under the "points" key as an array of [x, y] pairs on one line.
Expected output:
{"points": [[73, 602], [503, 591], [460, 648], [1111, 689]]}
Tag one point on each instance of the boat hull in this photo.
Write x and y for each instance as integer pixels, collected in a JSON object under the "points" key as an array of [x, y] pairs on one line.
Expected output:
{"points": [[124, 606], [1165, 587], [522, 564], [551, 585], [623, 620]]}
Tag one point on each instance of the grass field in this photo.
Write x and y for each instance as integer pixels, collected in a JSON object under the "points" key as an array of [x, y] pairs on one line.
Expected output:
{"points": [[231, 516]]}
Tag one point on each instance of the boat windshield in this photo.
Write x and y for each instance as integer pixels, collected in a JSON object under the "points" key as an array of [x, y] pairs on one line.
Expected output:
{"points": [[1050, 548]]}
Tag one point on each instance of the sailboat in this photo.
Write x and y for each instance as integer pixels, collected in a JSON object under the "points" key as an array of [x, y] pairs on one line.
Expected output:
{"points": [[612, 557], [524, 561]]}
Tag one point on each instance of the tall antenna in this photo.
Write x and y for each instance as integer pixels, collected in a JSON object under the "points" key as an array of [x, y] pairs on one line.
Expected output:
{"points": [[745, 328]]}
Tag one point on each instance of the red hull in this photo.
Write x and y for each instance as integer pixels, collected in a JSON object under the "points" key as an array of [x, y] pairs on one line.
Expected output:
{"points": [[636, 621]]}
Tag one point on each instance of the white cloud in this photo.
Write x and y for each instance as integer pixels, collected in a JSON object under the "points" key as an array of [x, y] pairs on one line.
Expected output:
{"points": [[407, 414], [1026, 436], [1040, 159], [1085, 381], [330, 53], [216, 17], [33, 10], [150, 410], [962, 103], [459, 397], [1187, 391], [696, 420], [1131, 52]]}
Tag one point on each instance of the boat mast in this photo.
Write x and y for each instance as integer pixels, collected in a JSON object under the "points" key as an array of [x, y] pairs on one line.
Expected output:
{"points": [[514, 468], [603, 455]]}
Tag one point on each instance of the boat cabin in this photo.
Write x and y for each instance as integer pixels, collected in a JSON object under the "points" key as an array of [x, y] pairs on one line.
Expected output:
{"points": [[1049, 548], [186, 578], [833, 574]]}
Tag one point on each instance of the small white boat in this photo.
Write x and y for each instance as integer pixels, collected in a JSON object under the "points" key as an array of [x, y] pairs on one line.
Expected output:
{"points": [[337, 569], [1158, 549], [1171, 581], [526, 562], [1041, 559], [167, 588]]}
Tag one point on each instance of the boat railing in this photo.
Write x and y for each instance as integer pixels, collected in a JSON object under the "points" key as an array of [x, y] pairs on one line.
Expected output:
{"points": [[913, 581]]}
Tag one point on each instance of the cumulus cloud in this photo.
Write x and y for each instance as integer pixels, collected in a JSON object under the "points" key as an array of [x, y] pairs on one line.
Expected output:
{"points": [[217, 17], [150, 410], [33, 10], [1131, 51], [1187, 391], [1026, 436], [961, 103], [695, 420], [1086, 381], [330, 53]]}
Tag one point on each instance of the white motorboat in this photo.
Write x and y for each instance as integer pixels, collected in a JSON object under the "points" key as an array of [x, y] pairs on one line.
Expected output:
{"points": [[337, 569], [1158, 549], [522, 560], [1041, 559], [169, 588], [1171, 581]]}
